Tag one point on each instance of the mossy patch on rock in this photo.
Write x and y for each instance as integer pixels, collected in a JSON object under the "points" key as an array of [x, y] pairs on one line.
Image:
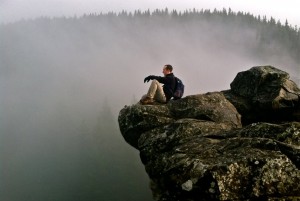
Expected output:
{"points": [[197, 148]]}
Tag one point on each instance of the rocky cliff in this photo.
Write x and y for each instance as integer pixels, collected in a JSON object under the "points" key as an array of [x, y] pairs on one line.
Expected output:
{"points": [[238, 144]]}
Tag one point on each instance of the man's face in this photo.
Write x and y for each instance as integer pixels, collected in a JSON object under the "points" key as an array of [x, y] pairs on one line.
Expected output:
{"points": [[165, 71]]}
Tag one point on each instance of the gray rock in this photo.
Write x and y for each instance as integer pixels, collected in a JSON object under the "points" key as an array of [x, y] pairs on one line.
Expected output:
{"points": [[258, 161], [265, 93], [196, 148], [137, 119]]}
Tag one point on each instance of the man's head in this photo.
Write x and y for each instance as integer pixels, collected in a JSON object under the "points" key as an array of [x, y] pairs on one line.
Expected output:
{"points": [[167, 69]]}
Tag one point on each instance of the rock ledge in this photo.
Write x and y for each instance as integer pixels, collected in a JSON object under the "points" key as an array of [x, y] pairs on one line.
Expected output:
{"points": [[238, 144]]}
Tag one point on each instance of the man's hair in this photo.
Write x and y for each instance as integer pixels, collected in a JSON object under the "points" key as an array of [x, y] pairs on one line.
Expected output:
{"points": [[169, 67]]}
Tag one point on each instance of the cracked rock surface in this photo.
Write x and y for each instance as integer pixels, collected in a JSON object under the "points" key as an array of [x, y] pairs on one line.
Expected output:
{"points": [[239, 144]]}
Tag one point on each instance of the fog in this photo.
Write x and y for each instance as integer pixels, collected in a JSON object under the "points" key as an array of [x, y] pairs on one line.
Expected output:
{"points": [[14, 10], [64, 81]]}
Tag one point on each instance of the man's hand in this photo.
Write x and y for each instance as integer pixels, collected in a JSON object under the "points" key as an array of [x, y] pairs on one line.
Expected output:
{"points": [[150, 77]]}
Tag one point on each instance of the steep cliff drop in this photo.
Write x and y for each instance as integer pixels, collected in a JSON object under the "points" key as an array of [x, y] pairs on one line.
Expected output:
{"points": [[238, 144]]}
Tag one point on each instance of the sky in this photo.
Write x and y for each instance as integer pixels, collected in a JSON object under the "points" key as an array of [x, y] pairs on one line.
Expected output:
{"points": [[14, 10]]}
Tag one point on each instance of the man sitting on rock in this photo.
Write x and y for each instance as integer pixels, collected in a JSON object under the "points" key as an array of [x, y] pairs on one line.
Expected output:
{"points": [[157, 92]]}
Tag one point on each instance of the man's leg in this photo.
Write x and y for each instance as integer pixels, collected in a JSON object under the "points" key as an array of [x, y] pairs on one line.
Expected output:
{"points": [[156, 92]]}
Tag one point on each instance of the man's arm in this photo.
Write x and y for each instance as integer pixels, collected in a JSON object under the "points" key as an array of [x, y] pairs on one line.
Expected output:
{"points": [[153, 77]]}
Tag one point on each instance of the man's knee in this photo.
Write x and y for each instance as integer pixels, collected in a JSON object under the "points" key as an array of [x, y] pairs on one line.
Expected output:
{"points": [[155, 81]]}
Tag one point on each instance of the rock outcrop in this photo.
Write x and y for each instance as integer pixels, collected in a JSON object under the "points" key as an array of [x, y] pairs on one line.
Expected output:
{"points": [[239, 144], [265, 93]]}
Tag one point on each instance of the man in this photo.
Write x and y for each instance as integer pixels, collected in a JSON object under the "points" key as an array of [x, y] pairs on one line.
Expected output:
{"points": [[156, 91]]}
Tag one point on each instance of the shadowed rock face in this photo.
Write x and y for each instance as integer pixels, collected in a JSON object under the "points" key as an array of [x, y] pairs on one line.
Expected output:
{"points": [[265, 93], [196, 148]]}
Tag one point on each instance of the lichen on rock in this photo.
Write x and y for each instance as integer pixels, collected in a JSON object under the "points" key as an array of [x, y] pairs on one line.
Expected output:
{"points": [[229, 145]]}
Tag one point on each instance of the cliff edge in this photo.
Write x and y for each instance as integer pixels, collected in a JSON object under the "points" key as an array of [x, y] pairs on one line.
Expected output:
{"points": [[238, 144]]}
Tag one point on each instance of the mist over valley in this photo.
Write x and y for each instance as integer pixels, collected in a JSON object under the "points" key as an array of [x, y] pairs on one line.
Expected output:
{"points": [[64, 80]]}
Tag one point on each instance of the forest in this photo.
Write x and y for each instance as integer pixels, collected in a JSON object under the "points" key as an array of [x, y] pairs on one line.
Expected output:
{"points": [[267, 31], [64, 79]]}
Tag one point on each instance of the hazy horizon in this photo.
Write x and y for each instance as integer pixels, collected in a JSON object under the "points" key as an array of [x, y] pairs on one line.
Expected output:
{"points": [[64, 81], [15, 10]]}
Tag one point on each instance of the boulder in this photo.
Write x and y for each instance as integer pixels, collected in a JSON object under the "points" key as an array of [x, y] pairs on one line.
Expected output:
{"points": [[239, 144], [265, 93], [136, 119], [228, 165]]}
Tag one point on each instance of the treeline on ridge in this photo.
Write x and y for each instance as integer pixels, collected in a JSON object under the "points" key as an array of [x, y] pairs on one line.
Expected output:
{"points": [[285, 36]]}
